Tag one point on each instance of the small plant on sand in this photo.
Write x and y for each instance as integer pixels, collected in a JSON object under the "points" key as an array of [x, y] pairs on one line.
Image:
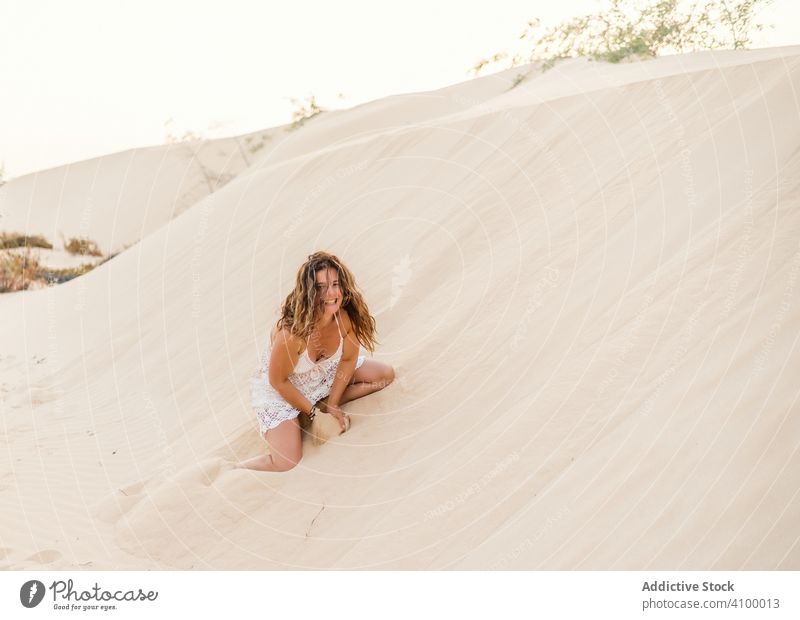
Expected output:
{"points": [[51, 276], [303, 111], [256, 143], [82, 246], [171, 137], [192, 144], [21, 271], [17, 271], [18, 240], [631, 29]]}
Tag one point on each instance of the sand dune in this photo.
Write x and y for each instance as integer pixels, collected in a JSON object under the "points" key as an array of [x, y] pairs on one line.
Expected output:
{"points": [[587, 285], [119, 198]]}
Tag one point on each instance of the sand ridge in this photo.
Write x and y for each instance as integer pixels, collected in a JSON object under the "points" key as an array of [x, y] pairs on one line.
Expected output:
{"points": [[587, 284]]}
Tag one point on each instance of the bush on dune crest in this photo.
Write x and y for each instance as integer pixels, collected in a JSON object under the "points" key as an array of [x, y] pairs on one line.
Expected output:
{"points": [[18, 272], [633, 29], [82, 246], [303, 111]]}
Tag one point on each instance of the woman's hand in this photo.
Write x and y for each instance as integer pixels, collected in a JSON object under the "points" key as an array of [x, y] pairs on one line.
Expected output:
{"points": [[336, 412]]}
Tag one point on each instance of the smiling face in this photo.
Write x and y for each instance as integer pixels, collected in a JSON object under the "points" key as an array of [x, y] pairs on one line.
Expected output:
{"points": [[328, 293]]}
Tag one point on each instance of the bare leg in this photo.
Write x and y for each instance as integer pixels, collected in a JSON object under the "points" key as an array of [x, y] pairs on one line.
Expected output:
{"points": [[285, 449], [259, 463], [285, 439], [370, 377], [357, 390]]}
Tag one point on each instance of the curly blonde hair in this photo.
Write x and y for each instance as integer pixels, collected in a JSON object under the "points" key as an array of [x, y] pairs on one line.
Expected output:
{"points": [[298, 310]]}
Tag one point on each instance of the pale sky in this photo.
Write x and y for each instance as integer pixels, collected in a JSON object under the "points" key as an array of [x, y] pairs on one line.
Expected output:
{"points": [[84, 78]]}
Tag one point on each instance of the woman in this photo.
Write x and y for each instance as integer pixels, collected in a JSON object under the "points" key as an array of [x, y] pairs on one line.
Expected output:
{"points": [[312, 364]]}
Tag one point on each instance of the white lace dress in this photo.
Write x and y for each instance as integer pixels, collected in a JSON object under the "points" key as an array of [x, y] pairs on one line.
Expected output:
{"points": [[314, 380]]}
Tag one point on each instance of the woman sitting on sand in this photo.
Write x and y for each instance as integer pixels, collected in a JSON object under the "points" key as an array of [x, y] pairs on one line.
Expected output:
{"points": [[312, 364]]}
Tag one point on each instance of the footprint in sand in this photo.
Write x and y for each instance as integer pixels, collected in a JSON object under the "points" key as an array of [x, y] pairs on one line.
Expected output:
{"points": [[111, 508], [40, 395], [159, 487], [182, 505], [203, 472], [5, 483], [44, 557], [132, 490]]}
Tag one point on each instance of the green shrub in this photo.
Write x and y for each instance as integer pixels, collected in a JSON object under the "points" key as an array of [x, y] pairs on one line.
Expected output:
{"points": [[304, 111], [633, 29], [256, 144]]}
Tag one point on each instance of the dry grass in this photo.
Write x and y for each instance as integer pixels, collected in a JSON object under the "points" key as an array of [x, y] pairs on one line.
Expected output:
{"points": [[82, 246], [18, 271], [56, 276], [18, 240]]}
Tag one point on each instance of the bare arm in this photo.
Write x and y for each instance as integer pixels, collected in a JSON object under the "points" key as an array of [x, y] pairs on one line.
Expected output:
{"points": [[281, 364], [347, 365]]}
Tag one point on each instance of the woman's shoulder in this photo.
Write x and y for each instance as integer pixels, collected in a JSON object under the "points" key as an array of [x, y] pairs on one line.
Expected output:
{"points": [[344, 318], [284, 335]]}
